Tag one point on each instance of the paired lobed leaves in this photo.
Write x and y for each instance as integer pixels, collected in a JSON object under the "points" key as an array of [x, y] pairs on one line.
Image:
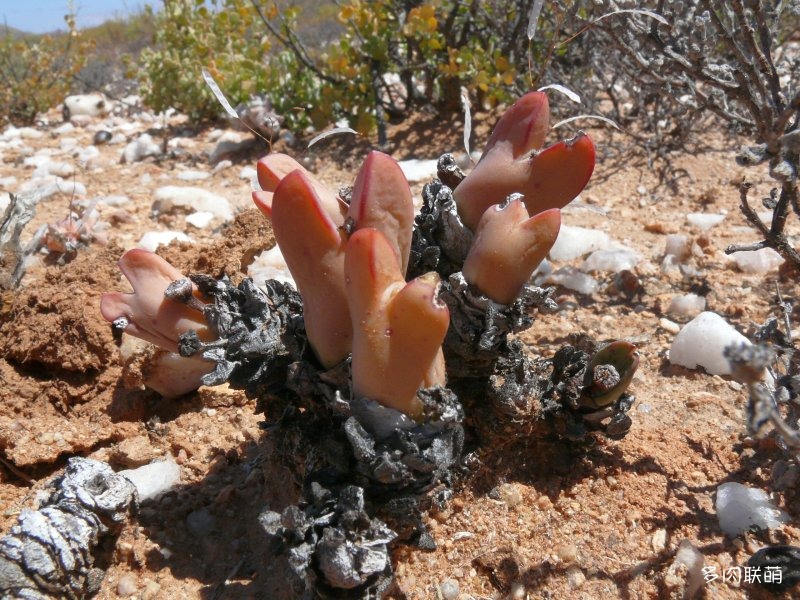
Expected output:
{"points": [[400, 327], [512, 163], [147, 313]]}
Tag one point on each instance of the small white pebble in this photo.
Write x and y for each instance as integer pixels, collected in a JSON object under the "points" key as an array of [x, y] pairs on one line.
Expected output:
{"points": [[704, 221], [659, 541], [689, 305], [573, 242], [613, 261], [510, 494], [248, 173], [679, 246], [685, 575], [575, 577], [567, 553], [741, 508], [572, 279], [221, 166], [192, 175], [153, 239], [669, 326], [151, 590], [127, 585], [449, 589], [757, 261], [702, 342], [200, 219], [45, 438]]}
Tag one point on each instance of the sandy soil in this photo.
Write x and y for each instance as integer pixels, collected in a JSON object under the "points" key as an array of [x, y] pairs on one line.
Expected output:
{"points": [[539, 517]]}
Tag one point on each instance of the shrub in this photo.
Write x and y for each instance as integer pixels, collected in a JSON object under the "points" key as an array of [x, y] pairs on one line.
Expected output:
{"points": [[36, 72], [393, 56], [731, 60], [376, 60], [191, 35]]}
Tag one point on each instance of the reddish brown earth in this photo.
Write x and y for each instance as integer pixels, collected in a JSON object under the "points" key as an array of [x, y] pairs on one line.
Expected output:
{"points": [[540, 518]]}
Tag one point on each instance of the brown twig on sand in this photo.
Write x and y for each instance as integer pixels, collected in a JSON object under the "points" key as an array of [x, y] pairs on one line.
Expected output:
{"points": [[16, 471]]}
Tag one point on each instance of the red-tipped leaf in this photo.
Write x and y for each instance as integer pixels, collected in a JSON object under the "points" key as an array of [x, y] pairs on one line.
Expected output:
{"points": [[312, 246], [399, 327], [523, 127], [273, 168], [382, 200], [559, 173], [508, 247]]}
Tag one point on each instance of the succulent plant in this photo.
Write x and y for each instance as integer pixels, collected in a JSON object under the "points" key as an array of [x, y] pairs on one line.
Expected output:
{"points": [[349, 257], [397, 340], [610, 372], [64, 237], [387, 411], [512, 162], [313, 246], [147, 313], [371, 291], [507, 248], [163, 306]]}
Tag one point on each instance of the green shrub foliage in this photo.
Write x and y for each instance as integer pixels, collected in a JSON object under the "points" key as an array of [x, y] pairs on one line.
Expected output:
{"points": [[364, 62], [222, 36], [36, 72]]}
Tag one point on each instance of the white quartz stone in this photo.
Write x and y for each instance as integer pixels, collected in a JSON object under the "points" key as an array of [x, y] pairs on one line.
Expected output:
{"points": [[612, 261], [193, 175], [689, 305], [173, 198], [573, 242], [90, 105], [702, 341], [417, 170], [573, 279], [704, 221], [154, 479], [270, 264], [153, 239], [140, 148], [201, 219], [757, 261], [741, 508]]}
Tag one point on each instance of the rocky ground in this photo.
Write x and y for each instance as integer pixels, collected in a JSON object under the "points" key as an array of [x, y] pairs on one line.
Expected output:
{"points": [[538, 517]]}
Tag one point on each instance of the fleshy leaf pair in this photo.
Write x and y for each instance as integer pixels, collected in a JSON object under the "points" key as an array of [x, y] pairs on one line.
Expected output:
{"points": [[146, 312], [510, 241], [609, 374], [355, 298], [381, 197], [507, 248], [512, 162], [308, 220], [148, 315], [397, 342]]}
